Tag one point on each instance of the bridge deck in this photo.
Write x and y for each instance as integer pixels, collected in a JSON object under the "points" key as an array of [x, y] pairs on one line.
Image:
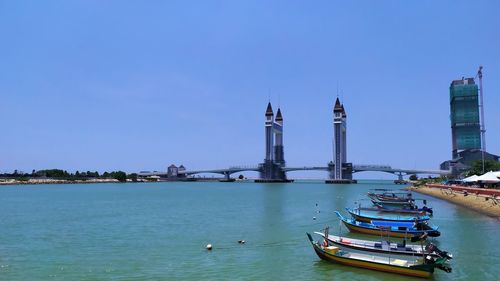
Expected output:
{"points": [[355, 169]]}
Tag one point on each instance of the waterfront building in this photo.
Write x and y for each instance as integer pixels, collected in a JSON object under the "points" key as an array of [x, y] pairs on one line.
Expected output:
{"points": [[172, 171], [465, 158], [175, 173]]}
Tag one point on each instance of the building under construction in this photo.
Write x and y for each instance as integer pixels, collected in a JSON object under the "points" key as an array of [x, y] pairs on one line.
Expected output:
{"points": [[467, 125], [464, 115]]}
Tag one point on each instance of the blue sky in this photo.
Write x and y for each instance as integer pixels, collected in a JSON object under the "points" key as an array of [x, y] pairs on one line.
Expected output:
{"points": [[138, 85]]}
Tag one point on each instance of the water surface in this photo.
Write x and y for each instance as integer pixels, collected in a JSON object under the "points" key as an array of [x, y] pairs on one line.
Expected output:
{"points": [[158, 231]]}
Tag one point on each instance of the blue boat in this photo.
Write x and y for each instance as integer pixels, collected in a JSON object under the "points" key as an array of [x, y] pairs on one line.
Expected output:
{"points": [[372, 216], [391, 228]]}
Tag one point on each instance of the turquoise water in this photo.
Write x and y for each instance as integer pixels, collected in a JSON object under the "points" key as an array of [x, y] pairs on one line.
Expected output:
{"points": [[158, 231]]}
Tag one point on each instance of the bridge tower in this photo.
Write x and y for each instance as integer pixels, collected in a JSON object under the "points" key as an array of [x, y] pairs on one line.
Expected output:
{"points": [[340, 169], [272, 168], [269, 133], [279, 155]]}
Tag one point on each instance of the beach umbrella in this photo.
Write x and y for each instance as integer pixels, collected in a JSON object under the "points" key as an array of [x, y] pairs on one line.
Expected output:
{"points": [[471, 179], [489, 177]]}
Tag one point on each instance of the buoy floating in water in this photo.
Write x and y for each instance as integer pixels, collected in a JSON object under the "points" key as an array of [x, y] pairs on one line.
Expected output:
{"points": [[209, 247], [241, 241]]}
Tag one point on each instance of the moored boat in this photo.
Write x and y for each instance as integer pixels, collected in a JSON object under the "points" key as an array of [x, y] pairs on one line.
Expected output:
{"points": [[394, 204], [385, 247], [403, 210], [370, 216], [388, 228], [414, 266], [391, 196]]}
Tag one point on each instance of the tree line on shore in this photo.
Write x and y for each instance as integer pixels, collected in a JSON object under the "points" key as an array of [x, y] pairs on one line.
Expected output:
{"points": [[475, 169], [64, 175]]}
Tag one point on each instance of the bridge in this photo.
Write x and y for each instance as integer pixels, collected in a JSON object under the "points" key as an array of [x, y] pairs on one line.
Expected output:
{"points": [[274, 168], [355, 169]]}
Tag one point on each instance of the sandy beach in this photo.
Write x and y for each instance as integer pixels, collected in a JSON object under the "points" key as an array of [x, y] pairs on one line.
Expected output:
{"points": [[486, 204]]}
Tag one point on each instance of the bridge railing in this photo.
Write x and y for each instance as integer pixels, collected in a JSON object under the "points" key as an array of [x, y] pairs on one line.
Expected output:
{"points": [[243, 167], [365, 166]]}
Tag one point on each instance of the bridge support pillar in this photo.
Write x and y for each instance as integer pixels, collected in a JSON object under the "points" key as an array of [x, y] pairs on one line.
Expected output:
{"points": [[227, 177], [400, 179], [271, 172]]}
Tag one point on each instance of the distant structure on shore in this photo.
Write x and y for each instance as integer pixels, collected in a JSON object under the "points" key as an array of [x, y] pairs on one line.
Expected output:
{"points": [[467, 125], [174, 172]]}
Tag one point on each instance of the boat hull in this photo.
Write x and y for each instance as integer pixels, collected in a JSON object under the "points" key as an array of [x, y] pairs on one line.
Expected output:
{"points": [[365, 218], [393, 204], [422, 211], [422, 272], [391, 250], [369, 228], [378, 232]]}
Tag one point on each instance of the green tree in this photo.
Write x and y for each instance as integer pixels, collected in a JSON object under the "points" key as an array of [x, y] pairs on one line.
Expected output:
{"points": [[119, 175], [477, 167], [52, 173], [413, 177], [133, 177]]}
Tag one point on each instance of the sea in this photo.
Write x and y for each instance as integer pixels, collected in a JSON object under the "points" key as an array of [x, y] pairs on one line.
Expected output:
{"points": [[159, 231]]}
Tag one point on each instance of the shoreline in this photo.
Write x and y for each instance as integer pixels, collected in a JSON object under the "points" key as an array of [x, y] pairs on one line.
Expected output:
{"points": [[53, 181], [482, 203]]}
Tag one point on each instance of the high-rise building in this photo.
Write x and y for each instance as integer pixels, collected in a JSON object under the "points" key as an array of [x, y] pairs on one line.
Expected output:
{"points": [[464, 116], [467, 142]]}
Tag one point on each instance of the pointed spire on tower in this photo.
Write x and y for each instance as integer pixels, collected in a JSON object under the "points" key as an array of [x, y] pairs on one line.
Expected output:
{"points": [[338, 106], [337, 102], [279, 117], [269, 110]]}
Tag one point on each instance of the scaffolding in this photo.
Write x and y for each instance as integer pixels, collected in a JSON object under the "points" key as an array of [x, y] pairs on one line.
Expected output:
{"points": [[465, 120]]}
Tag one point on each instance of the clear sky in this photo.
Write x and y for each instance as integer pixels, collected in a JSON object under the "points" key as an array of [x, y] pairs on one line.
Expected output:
{"points": [[138, 85]]}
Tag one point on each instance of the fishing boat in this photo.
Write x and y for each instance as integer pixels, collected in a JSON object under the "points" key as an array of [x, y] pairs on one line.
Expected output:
{"points": [[390, 196], [368, 217], [389, 228], [398, 204], [403, 210], [384, 247], [422, 266]]}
